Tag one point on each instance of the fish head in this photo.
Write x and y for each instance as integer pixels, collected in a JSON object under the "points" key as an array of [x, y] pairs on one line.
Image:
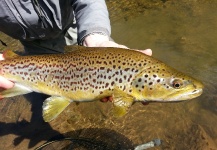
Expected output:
{"points": [[163, 83]]}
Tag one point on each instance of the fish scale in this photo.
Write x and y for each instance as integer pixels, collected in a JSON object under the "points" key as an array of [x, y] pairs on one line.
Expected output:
{"points": [[87, 74]]}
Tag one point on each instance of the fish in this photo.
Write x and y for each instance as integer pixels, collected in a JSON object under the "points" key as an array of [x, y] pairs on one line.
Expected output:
{"points": [[93, 73]]}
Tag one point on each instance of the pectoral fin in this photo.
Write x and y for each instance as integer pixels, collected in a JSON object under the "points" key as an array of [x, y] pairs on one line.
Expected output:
{"points": [[53, 106], [122, 102], [16, 90]]}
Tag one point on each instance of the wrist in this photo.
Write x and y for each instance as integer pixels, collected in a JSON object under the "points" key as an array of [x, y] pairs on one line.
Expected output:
{"points": [[95, 39]]}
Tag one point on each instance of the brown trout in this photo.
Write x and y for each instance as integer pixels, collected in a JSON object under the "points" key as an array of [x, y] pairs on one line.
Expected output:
{"points": [[88, 74]]}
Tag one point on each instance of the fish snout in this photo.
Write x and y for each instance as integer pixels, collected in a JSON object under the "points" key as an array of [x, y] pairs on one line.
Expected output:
{"points": [[198, 88]]}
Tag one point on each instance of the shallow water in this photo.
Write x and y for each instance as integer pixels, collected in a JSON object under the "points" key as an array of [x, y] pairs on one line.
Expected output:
{"points": [[183, 35]]}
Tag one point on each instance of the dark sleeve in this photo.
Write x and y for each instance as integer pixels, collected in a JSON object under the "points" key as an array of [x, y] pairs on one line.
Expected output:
{"points": [[91, 17]]}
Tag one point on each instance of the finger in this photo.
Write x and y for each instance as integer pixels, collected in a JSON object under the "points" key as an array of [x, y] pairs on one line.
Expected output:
{"points": [[113, 44], [122, 46], [147, 51], [6, 84], [1, 57]]}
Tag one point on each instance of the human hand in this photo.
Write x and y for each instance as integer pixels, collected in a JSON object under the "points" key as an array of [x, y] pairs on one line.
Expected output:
{"points": [[98, 40], [4, 83]]}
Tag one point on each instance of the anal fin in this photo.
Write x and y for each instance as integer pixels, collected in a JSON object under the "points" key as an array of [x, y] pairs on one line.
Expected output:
{"points": [[53, 106], [14, 91]]}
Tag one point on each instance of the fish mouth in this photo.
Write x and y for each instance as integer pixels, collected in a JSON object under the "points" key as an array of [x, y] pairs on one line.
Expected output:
{"points": [[187, 96], [173, 97], [178, 96]]}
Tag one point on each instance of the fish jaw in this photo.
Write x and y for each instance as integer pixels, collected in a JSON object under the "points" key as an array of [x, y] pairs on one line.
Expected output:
{"points": [[187, 96]]}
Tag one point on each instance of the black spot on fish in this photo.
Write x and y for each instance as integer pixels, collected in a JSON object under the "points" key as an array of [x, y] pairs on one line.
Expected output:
{"points": [[150, 83], [126, 69], [124, 88], [108, 70]]}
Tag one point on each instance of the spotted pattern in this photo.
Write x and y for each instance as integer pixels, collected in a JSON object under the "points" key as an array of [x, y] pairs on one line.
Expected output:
{"points": [[85, 74]]}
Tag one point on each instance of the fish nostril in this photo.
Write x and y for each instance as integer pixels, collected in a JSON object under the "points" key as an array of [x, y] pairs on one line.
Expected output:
{"points": [[194, 91]]}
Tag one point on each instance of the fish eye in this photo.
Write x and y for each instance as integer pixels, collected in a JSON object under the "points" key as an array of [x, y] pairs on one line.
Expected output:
{"points": [[177, 83]]}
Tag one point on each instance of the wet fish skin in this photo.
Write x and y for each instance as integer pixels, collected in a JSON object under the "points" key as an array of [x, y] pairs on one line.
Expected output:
{"points": [[88, 74]]}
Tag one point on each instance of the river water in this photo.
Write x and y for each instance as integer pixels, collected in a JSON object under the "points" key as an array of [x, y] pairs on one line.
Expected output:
{"points": [[183, 35]]}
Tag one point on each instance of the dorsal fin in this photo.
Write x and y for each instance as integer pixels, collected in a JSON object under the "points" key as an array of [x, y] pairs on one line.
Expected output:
{"points": [[8, 54]]}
